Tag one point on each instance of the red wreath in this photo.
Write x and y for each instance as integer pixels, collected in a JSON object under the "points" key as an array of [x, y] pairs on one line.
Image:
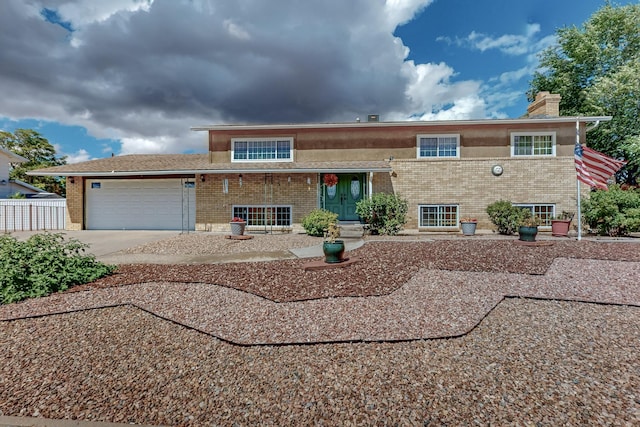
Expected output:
{"points": [[330, 179]]}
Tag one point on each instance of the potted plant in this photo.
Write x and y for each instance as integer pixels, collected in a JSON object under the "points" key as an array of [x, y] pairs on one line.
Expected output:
{"points": [[237, 226], [560, 224], [528, 227], [468, 226], [332, 248]]}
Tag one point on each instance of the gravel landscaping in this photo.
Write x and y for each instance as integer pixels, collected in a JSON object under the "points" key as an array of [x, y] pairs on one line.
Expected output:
{"points": [[541, 335]]}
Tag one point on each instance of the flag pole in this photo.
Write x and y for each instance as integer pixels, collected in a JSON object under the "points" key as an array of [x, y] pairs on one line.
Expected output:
{"points": [[578, 181]]}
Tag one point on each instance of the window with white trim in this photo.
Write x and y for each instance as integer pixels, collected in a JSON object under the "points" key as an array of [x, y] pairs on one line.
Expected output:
{"points": [[262, 149], [438, 216], [430, 146], [542, 211], [271, 215], [533, 144]]}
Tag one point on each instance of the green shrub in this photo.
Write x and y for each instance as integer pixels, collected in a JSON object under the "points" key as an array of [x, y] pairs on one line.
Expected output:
{"points": [[317, 221], [506, 217], [384, 213], [44, 264], [613, 212]]}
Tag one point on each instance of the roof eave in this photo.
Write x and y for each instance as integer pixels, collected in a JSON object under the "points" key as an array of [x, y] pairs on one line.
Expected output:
{"points": [[212, 172], [564, 119]]}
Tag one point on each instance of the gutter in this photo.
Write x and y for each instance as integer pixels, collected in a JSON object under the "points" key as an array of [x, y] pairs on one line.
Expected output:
{"points": [[487, 122], [209, 172]]}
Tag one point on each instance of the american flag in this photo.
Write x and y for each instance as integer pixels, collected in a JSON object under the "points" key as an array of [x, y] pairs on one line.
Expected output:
{"points": [[595, 168]]}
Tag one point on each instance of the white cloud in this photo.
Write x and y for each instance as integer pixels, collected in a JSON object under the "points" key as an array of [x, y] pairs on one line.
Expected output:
{"points": [[84, 12], [468, 107], [81, 155], [236, 30], [430, 89], [510, 44], [402, 11]]}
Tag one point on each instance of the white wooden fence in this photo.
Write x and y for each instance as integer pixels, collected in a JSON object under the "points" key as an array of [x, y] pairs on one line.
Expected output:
{"points": [[32, 214]]}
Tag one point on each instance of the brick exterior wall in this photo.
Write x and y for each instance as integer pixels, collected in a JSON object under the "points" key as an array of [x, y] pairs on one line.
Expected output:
{"points": [[74, 218], [214, 208], [470, 184]]}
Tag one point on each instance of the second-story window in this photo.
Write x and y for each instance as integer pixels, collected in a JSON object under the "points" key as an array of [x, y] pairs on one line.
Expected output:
{"points": [[262, 149], [533, 144], [430, 146]]}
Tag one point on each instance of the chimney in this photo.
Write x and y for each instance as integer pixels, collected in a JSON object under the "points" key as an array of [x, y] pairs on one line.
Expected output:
{"points": [[545, 105]]}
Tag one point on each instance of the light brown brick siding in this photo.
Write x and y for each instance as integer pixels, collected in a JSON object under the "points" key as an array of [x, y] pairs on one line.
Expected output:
{"points": [[470, 184], [74, 218], [214, 208]]}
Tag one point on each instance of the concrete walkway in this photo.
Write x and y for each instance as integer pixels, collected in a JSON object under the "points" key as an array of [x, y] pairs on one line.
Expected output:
{"points": [[105, 242], [108, 247]]}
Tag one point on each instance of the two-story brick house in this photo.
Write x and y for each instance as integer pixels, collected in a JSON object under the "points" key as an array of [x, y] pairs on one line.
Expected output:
{"points": [[273, 175]]}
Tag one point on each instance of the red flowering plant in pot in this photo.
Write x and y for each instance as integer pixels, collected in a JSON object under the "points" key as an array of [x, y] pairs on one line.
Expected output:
{"points": [[468, 226], [237, 226]]}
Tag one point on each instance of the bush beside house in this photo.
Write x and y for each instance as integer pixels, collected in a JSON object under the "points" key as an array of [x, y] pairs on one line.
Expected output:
{"points": [[317, 221], [383, 213], [613, 212], [44, 264], [505, 216]]}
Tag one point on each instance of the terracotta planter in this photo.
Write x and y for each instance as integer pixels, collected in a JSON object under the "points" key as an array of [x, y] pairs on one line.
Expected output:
{"points": [[468, 227], [560, 227], [237, 228], [333, 251]]}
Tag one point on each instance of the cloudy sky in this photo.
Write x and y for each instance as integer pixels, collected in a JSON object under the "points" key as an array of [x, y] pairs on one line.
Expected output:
{"points": [[132, 76]]}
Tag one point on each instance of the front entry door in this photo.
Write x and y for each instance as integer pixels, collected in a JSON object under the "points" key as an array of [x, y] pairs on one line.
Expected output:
{"points": [[342, 197]]}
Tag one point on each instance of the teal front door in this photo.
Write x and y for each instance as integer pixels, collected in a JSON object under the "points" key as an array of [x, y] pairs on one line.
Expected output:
{"points": [[342, 197]]}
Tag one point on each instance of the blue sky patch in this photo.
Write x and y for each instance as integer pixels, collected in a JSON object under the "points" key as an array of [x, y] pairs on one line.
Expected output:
{"points": [[53, 17]]}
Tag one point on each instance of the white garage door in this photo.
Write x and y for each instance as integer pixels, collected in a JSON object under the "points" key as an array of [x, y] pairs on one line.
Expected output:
{"points": [[140, 204]]}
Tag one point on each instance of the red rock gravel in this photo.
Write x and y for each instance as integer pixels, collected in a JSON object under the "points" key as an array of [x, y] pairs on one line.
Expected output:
{"points": [[527, 362], [385, 266]]}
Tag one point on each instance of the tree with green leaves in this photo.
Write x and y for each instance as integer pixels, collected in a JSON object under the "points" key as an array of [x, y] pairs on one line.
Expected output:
{"points": [[39, 153], [596, 70]]}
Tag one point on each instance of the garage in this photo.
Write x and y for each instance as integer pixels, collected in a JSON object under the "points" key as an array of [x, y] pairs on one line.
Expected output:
{"points": [[140, 204]]}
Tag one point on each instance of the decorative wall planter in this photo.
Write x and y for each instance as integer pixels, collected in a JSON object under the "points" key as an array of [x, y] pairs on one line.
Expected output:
{"points": [[333, 251], [527, 234], [560, 227], [468, 227], [237, 228]]}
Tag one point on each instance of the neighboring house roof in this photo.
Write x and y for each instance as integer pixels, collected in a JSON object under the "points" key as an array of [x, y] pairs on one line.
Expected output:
{"points": [[27, 186], [187, 164], [13, 157]]}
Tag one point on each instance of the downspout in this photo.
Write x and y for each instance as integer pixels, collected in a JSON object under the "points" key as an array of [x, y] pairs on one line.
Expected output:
{"points": [[594, 125]]}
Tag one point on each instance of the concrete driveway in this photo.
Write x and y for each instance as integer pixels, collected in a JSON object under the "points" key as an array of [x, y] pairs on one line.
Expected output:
{"points": [[105, 242]]}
